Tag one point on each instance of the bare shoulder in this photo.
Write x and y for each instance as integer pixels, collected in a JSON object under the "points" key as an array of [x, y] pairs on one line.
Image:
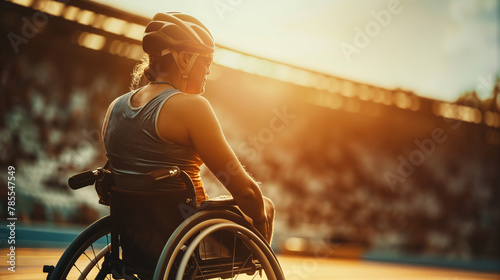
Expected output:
{"points": [[190, 99], [192, 105]]}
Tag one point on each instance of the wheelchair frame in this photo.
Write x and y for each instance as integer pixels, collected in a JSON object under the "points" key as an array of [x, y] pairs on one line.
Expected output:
{"points": [[180, 258]]}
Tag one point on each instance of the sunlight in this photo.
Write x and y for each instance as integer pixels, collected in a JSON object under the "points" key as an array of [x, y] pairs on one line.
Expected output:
{"points": [[85, 17], [50, 7], [248, 63], [114, 25], [70, 13], [134, 31], [91, 41], [25, 3], [492, 119], [462, 113]]}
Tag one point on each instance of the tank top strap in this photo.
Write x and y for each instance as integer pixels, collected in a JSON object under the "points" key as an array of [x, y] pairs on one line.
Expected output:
{"points": [[151, 106]]}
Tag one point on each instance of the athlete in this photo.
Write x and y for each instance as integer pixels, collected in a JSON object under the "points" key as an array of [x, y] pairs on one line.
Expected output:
{"points": [[167, 122]]}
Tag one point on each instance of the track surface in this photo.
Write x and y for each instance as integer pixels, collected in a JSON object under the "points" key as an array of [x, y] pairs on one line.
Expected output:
{"points": [[29, 263]]}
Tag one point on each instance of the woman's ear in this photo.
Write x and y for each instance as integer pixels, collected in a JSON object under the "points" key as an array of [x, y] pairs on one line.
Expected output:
{"points": [[184, 58]]}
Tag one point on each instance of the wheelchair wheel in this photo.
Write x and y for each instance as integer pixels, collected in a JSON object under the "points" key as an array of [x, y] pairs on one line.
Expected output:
{"points": [[217, 245], [85, 258]]}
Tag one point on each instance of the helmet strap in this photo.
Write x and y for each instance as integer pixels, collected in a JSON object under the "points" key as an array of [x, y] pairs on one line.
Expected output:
{"points": [[184, 72]]}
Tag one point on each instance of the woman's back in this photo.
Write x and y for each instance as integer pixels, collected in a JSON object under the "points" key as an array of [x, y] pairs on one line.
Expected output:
{"points": [[134, 147]]}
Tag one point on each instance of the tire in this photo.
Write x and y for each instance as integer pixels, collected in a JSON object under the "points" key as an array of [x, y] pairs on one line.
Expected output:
{"points": [[244, 252], [85, 256]]}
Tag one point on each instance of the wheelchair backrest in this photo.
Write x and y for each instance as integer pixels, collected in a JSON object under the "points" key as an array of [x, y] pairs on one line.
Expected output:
{"points": [[144, 222]]}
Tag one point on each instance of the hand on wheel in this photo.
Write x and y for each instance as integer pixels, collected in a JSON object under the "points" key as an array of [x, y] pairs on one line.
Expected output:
{"points": [[265, 229]]}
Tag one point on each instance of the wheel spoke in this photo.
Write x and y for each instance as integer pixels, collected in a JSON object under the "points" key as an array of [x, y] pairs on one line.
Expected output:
{"points": [[97, 261], [92, 260], [239, 272], [198, 267], [81, 273], [234, 255], [83, 259], [220, 251]]}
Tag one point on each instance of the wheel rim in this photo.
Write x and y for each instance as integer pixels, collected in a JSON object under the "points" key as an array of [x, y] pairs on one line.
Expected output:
{"points": [[83, 259], [239, 232], [186, 237], [94, 262], [89, 263], [192, 226]]}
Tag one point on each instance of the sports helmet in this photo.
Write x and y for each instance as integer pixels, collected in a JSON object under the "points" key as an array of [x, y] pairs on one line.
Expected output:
{"points": [[178, 32], [175, 32]]}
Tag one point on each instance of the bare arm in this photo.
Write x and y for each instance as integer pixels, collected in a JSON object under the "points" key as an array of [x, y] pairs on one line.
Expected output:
{"points": [[206, 135]]}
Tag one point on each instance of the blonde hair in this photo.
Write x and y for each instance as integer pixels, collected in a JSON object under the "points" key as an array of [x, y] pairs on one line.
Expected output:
{"points": [[149, 68], [138, 72]]}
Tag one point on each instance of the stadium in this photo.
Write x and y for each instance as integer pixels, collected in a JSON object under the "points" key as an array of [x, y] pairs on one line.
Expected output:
{"points": [[366, 180]]}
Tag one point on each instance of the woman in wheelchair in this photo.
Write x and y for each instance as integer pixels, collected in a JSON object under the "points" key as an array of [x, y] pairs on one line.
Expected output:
{"points": [[168, 123]]}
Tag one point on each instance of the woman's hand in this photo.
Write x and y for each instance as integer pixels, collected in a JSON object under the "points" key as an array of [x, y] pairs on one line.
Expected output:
{"points": [[265, 229]]}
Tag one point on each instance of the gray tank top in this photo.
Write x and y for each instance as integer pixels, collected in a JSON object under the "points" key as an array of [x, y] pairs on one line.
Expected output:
{"points": [[134, 146]]}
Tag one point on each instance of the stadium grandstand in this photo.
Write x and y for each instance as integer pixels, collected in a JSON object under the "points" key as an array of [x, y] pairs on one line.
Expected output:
{"points": [[363, 169]]}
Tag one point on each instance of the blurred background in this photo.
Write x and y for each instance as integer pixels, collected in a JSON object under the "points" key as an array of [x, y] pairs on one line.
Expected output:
{"points": [[374, 126]]}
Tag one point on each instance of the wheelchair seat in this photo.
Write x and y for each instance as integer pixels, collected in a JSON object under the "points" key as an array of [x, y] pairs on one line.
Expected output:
{"points": [[219, 202]]}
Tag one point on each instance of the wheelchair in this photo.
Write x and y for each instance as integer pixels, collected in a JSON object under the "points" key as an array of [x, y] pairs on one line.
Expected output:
{"points": [[213, 240]]}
